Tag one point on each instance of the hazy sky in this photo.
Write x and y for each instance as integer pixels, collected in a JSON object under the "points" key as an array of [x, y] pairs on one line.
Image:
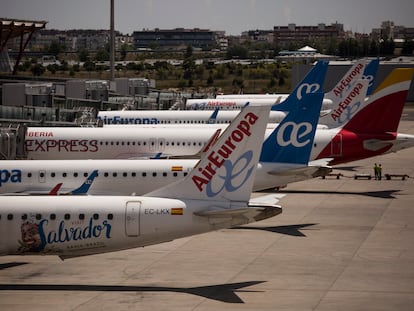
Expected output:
{"points": [[232, 16]]}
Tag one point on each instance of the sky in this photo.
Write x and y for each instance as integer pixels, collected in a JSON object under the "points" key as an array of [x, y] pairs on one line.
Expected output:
{"points": [[231, 16]]}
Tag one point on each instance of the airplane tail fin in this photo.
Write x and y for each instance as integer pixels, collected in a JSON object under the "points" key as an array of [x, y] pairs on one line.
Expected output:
{"points": [[382, 111], [84, 188], [311, 83], [292, 139], [370, 73], [360, 70], [342, 110], [226, 172], [351, 76]]}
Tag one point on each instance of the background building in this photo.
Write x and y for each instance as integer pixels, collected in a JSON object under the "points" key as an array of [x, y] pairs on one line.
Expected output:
{"points": [[175, 38]]}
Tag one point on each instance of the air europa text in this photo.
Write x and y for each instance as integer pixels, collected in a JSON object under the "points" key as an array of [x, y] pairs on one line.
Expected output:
{"points": [[216, 160]]}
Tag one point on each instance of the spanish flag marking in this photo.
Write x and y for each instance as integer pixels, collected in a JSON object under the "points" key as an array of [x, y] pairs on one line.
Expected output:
{"points": [[177, 211], [176, 168]]}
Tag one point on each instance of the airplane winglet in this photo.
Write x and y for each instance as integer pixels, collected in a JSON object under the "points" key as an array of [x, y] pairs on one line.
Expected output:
{"points": [[55, 189], [84, 188]]}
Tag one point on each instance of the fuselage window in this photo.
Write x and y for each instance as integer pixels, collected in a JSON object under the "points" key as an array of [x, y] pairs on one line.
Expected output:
{"points": [[95, 216], [117, 143], [154, 174], [112, 143], [64, 174], [10, 216], [38, 216], [114, 174], [85, 174], [67, 216], [133, 174], [125, 174], [81, 216], [175, 174], [110, 216], [106, 143], [106, 174], [24, 216], [53, 174], [52, 216], [128, 143], [75, 174], [42, 174], [29, 175], [164, 174], [144, 174], [185, 173]]}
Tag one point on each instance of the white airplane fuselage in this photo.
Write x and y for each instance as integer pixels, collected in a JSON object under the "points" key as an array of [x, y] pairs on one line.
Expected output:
{"points": [[88, 225], [122, 177], [143, 142]]}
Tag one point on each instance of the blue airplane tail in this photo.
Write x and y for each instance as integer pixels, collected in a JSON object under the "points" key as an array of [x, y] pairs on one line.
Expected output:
{"points": [[84, 188], [213, 117], [292, 140], [311, 83], [370, 73]]}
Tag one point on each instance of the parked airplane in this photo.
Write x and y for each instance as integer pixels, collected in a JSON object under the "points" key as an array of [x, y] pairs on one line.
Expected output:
{"points": [[142, 142], [181, 117], [358, 134], [284, 159], [175, 116], [72, 226], [235, 101]]}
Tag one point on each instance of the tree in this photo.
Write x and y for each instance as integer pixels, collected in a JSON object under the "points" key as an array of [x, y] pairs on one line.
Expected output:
{"points": [[55, 48], [83, 55], [188, 64]]}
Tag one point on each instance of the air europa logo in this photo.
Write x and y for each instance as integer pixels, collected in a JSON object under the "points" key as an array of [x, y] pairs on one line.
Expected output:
{"points": [[348, 79], [295, 134], [336, 114], [217, 159], [307, 88]]}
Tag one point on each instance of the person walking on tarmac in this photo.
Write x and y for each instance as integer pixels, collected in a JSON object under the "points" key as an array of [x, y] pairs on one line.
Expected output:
{"points": [[376, 169], [379, 172]]}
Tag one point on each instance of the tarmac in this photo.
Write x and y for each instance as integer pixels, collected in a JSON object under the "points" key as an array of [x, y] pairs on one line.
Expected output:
{"points": [[340, 244]]}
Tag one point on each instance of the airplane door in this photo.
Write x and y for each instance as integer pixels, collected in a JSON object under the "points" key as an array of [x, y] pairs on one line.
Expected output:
{"points": [[42, 176], [132, 218], [336, 145]]}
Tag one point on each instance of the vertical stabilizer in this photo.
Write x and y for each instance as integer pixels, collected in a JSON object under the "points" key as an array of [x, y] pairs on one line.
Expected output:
{"points": [[311, 83], [292, 139], [226, 172], [382, 111]]}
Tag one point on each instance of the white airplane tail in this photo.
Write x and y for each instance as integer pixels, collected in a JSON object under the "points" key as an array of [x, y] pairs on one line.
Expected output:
{"points": [[226, 172]]}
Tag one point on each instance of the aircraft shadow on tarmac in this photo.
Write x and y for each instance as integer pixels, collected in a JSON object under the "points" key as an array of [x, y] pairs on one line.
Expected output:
{"points": [[8, 265], [292, 230], [221, 292], [384, 194]]}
